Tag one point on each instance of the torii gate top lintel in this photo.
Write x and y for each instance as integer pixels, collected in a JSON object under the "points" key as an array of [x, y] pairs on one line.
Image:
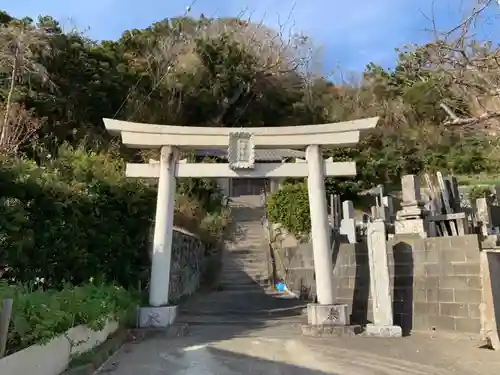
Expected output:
{"points": [[140, 135]]}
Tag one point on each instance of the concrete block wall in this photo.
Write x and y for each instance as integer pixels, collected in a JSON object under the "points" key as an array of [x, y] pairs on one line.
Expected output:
{"points": [[444, 289], [436, 283]]}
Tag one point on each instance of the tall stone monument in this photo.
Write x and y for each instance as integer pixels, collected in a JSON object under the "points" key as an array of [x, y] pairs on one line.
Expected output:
{"points": [[411, 217]]}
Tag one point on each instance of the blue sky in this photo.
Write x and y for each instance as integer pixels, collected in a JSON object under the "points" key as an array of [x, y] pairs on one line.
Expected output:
{"points": [[350, 33]]}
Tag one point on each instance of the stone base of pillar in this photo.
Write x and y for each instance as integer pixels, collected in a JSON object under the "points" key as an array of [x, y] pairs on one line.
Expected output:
{"points": [[172, 331], [157, 317], [377, 330], [329, 330], [327, 315]]}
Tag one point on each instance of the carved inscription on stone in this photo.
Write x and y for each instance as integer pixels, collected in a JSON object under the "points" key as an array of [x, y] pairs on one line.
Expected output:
{"points": [[241, 152], [333, 315]]}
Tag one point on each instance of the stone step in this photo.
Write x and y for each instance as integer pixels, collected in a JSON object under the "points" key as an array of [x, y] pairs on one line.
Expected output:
{"points": [[243, 257], [248, 243], [242, 287], [238, 281], [244, 276], [252, 263], [247, 247], [244, 282], [249, 238], [257, 234], [245, 252], [260, 248], [245, 268], [244, 221], [244, 279], [242, 252], [245, 271], [257, 263], [240, 244]]}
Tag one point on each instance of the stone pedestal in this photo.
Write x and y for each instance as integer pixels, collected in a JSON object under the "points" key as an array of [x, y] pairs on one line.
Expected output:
{"points": [[328, 320], [339, 331], [407, 226], [335, 314], [157, 317], [387, 331]]}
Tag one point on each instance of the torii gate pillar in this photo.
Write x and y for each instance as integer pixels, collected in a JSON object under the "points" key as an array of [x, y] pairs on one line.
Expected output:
{"points": [[163, 233], [320, 230]]}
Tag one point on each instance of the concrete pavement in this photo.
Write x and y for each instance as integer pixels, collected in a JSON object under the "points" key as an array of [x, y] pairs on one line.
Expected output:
{"points": [[276, 347]]}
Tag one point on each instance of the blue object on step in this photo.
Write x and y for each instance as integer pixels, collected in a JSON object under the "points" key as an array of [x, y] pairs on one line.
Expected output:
{"points": [[280, 287]]}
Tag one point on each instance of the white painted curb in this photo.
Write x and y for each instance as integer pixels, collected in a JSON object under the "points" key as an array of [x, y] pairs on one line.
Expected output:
{"points": [[54, 357]]}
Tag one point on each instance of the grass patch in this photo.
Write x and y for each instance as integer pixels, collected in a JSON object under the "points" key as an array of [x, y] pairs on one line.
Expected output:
{"points": [[95, 357], [40, 315]]}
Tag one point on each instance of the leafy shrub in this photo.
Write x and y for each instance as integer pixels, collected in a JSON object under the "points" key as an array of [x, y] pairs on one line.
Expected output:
{"points": [[480, 191], [78, 216], [289, 207], [40, 315]]}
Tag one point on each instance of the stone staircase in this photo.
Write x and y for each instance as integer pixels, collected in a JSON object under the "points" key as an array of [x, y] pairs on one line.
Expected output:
{"points": [[243, 297], [245, 263]]}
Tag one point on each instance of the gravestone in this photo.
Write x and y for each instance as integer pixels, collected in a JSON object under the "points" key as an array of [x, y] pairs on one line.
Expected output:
{"points": [[451, 184], [348, 223], [483, 216], [410, 219], [388, 204], [496, 191]]}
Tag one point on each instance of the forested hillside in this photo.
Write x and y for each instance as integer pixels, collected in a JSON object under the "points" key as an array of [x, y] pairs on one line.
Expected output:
{"points": [[57, 86], [62, 185]]}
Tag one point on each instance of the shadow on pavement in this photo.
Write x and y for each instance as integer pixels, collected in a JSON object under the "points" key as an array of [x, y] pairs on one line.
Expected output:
{"points": [[188, 356], [222, 315]]}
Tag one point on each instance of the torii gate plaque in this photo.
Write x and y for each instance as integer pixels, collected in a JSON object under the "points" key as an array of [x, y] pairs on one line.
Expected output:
{"points": [[241, 144]]}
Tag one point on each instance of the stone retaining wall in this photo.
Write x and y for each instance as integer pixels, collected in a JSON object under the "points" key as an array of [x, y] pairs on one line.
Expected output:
{"points": [[188, 256], [193, 263], [435, 282]]}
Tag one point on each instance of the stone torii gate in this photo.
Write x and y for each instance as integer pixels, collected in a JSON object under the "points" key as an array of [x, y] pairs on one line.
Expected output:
{"points": [[240, 144]]}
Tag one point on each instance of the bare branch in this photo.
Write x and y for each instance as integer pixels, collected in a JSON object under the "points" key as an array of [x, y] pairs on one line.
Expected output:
{"points": [[21, 126]]}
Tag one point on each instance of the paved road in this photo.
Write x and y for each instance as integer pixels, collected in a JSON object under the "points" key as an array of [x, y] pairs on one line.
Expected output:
{"points": [[275, 348]]}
